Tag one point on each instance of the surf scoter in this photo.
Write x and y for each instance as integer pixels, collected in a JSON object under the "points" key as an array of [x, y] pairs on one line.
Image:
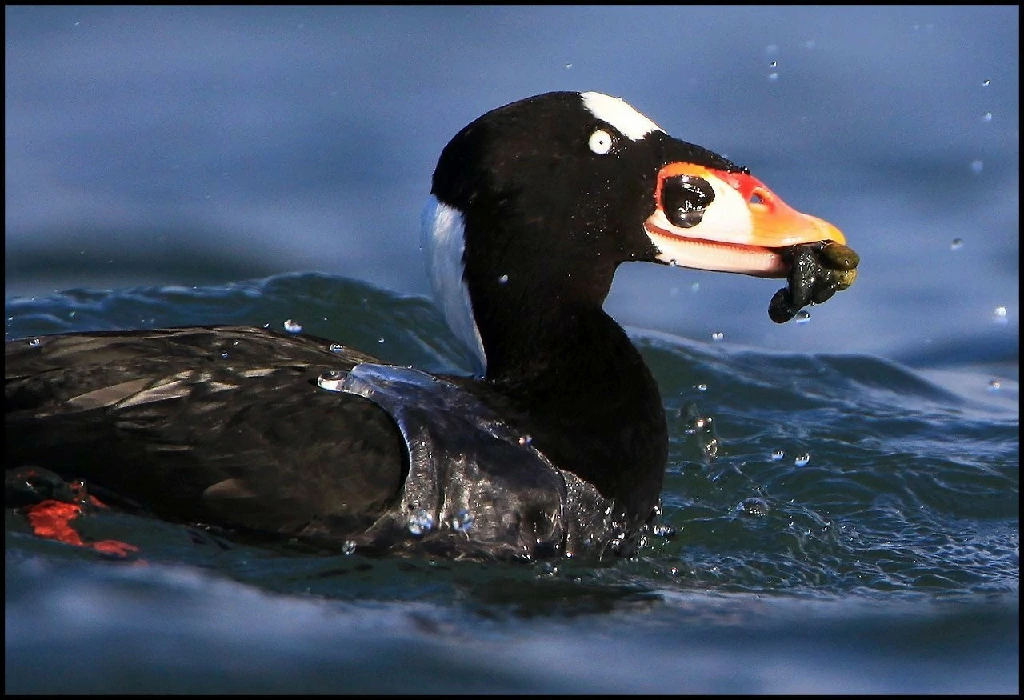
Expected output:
{"points": [[556, 448]]}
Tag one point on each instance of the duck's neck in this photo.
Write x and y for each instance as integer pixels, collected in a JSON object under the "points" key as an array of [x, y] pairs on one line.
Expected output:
{"points": [[581, 391]]}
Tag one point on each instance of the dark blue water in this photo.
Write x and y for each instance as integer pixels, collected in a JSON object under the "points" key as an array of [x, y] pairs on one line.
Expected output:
{"points": [[831, 523], [841, 506]]}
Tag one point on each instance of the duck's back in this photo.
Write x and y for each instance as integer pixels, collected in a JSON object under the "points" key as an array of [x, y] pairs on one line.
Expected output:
{"points": [[291, 435], [218, 424]]}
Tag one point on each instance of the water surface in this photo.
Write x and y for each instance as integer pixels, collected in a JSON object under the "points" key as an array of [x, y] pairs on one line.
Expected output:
{"points": [[831, 523]]}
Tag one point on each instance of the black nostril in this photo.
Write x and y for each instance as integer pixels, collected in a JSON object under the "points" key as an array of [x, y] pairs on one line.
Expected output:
{"points": [[760, 196], [685, 198]]}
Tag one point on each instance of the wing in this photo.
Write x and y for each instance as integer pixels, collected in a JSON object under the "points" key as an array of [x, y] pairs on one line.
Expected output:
{"points": [[222, 425]]}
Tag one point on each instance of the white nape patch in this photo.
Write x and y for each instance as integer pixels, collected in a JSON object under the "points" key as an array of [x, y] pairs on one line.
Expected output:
{"points": [[620, 114], [443, 237]]}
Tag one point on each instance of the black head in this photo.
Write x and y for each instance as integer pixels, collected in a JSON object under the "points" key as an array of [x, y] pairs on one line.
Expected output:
{"points": [[564, 179], [539, 201]]}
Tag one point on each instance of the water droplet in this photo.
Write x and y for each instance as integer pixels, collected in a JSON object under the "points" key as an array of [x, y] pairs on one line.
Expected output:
{"points": [[717, 335], [776, 455], [525, 440], [976, 166], [548, 569], [957, 244], [755, 507], [695, 286], [503, 279], [568, 66], [35, 343], [665, 531], [348, 547], [802, 316], [802, 460], [224, 355], [420, 523], [462, 521], [331, 380], [380, 340], [702, 387], [986, 83], [773, 64], [986, 117], [999, 315], [994, 385], [292, 326], [336, 347]]}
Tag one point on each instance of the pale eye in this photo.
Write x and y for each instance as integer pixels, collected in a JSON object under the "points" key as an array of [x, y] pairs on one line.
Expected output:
{"points": [[600, 142]]}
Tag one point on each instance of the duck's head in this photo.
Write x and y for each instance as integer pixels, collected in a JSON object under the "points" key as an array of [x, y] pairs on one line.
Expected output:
{"points": [[536, 203]]}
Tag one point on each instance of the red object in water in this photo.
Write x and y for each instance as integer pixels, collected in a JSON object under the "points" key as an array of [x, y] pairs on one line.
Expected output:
{"points": [[52, 519]]}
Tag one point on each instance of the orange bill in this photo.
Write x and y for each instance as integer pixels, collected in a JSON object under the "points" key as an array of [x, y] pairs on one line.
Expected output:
{"points": [[727, 221]]}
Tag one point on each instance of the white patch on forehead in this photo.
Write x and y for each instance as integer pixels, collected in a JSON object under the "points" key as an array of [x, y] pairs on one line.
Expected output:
{"points": [[443, 237], [620, 114]]}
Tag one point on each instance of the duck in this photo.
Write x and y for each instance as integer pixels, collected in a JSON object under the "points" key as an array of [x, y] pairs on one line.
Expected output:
{"points": [[554, 446]]}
